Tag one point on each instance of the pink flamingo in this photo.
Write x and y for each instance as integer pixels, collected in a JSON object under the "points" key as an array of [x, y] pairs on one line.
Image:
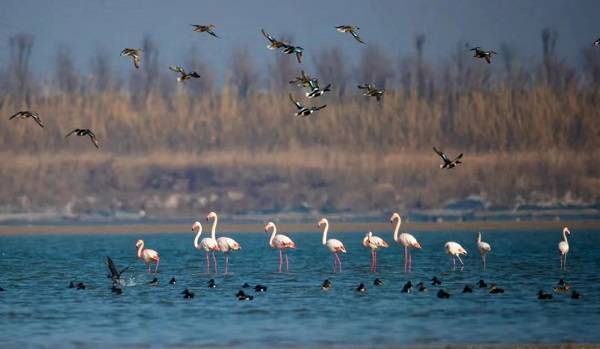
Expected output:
{"points": [[563, 248], [406, 240], [484, 249], [209, 245], [455, 250], [374, 243], [147, 255], [226, 245], [334, 245], [281, 242]]}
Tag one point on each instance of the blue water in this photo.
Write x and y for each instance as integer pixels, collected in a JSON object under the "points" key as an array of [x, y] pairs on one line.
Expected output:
{"points": [[37, 308]]}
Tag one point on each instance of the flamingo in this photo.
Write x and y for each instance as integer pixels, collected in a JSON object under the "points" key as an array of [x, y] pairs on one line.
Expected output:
{"points": [[209, 245], [147, 255], [374, 243], [455, 250], [563, 248], [334, 245], [484, 248], [406, 240], [281, 242], [226, 245]]}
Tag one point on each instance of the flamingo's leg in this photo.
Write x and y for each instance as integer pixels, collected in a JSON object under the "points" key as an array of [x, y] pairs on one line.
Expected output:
{"points": [[565, 262], [453, 262], [339, 261], [207, 264], [226, 261], [215, 262], [156, 268], [280, 260], [148, 266], [287, 266], [375, 261], [405, 258], [460, 260], [561, 261]]}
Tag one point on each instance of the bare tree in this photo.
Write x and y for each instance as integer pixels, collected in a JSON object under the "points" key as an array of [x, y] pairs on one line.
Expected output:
{"points": [[243, 75], [66, 75], [282, 69], [102, 73], [19, 71], [375, 66], [145, 80], [205, 84], [331, 68]]}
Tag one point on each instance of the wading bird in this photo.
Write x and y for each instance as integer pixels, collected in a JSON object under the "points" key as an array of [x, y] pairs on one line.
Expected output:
{"points": [[484, 248], [333, 245], [225, 244], [404, 239], [563, 248], [24, 114], [147, 255], [209, 245], [455, 250], [374, 243], [280, 242]]}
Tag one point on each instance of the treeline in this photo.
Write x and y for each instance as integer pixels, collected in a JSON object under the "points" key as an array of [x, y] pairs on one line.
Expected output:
{"points": [[460, 103]]}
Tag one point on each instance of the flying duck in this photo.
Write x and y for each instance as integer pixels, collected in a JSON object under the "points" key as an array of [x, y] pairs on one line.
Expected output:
{"points": [[326, 285], [597, 43], [377, 282], [85, 132], [371, 91], [305, 111], [443, 294], [115, 274], [407, 287], [135, 54], [187, 294], [315, 90], [303, 80], [487, 55], [24, 114], [290, 50], [205, 29], [273, 43], [183, 76], [448, 164], [353, 30], [361, 288]]}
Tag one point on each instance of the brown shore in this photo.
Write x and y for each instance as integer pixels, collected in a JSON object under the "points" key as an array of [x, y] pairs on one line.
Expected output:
{"points": [[149, 228]]}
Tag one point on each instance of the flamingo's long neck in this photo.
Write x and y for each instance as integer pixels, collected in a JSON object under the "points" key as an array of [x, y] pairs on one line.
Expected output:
{"points": [[397, 228], [196, 245], [565, 236], [140, 249], [272, 235], [325, 232], [213, 230], [478, 237]]}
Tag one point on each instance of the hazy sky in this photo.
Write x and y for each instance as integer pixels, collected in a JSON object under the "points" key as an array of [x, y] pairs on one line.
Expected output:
{"points": [[84, 25]]}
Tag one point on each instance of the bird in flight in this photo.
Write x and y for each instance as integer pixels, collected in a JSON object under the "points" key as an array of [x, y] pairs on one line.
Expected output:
{"points": [[183, 76], [316, 91], [448, 164], [290, 50], [487, 55], [273, 43], [303, 80], [597, 43], [305, 111], [24, 114], [135, 54], [371, 91], [205, 29], [353, 30], [85, 132]]}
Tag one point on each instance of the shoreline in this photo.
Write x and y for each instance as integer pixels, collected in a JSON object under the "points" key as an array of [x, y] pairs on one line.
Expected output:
{"points": [[338, 227]]}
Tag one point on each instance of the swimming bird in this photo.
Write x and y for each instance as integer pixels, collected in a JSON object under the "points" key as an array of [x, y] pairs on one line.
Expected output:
{"points": [[487, 55], [80, 286], [482, 284], [242, 296], [333, 245], [226, 245], [154, 282], [575, 295], [147, 255], [467, 289], [407, 287], [273, 43], [209, 245], [562, 287], [316, 91], [115, 274], [205, 29], [280, 242], [544, 295], [24, 114], [71, 284], [183, 76], [371, 91], [303, 80], [260, 288], [1, 289], [374, 243], [495, 289], [448, 164], [361, 288], [377, 282], [246, 285], [297, 50], [421, 287], [484, 248], [135, 54], [597, 43], [563, 248], [404, 239], [82, 132], [116, 289], [326, 285], [435, 281], [455, 250], [187, 294], [353, 30], [305, 111], [212, 284], [443, 294], [172, 281]]}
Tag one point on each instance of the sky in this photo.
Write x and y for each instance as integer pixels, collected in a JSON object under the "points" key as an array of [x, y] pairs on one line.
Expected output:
{"points": [[85, 25]]}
